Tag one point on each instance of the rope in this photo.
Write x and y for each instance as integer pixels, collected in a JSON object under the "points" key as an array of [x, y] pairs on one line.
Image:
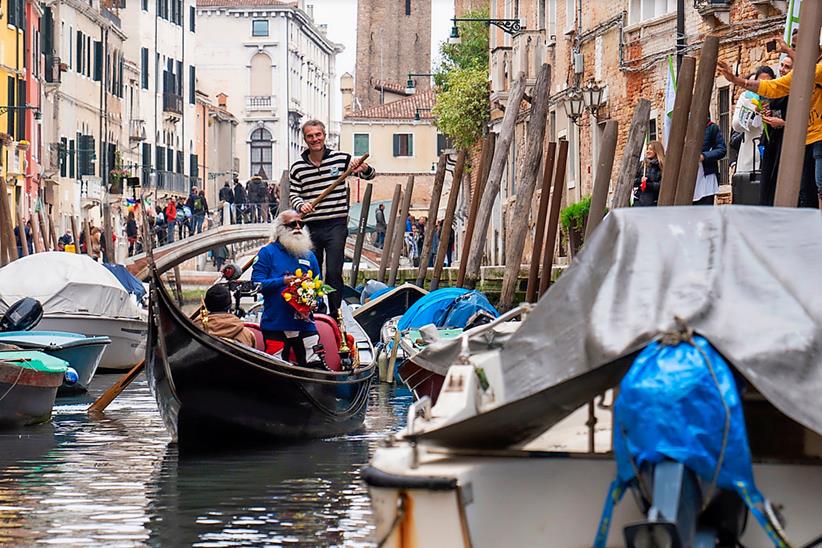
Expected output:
{"points": [[19, 374], [684, 334]]}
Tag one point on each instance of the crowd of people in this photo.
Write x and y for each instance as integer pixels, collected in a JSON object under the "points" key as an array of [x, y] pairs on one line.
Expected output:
{"points": [[414, 237], [755, 144]]}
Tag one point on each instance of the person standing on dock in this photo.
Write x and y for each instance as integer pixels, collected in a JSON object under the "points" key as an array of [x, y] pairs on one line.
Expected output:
{"points": [[317, 168]]}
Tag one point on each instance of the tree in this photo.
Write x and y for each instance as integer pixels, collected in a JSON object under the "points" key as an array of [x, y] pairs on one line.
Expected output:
{"points": [[462, 105], [461, 110]]}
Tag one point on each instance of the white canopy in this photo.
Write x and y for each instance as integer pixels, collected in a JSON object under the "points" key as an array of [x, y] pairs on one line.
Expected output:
{"points": [[66, 283]]}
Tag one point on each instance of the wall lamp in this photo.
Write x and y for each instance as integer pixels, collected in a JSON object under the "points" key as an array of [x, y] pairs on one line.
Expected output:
{"points": [[510, 26], [37, 114], [417, 113], [579, 100], [411, 84]]}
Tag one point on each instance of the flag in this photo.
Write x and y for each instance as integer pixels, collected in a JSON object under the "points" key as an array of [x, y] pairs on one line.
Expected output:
{"points": [[670, 98], [792, 21]]}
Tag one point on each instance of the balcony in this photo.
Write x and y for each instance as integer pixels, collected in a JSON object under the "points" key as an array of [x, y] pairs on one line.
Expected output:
{"points": [[716, 13], [528, 54], [54, 69], [259, 103], [500, 69], [173, 182], [137, 130], [172, 103], [765, 6]]}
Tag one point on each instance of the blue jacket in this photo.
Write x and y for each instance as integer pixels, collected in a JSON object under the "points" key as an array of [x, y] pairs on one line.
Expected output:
{"points": [[713, 149], [273, 264]]}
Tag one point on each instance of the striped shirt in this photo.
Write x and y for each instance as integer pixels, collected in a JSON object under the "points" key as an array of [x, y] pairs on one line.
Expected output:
{"points": [[309, 181]]}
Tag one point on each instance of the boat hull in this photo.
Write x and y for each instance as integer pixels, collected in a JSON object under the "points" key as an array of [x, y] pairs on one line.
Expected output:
{"points": [[128, 336], [372, 315], [82, 353], [26, 396], [215, 393], [521, 498]]}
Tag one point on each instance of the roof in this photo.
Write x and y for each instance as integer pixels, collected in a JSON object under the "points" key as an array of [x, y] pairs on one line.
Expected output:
{"points": [[242, 3], [390, 87], [402, 109]]}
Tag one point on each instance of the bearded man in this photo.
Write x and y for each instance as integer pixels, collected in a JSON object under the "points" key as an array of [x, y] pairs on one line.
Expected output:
{"points": [[290, 249]]}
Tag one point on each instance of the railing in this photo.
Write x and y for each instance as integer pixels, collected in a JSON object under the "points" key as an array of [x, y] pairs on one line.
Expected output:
{"points": [[259, 102], [137, 130], [173, 182], [172, 103]]}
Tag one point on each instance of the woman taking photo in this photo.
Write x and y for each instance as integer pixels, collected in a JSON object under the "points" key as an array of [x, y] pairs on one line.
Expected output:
{"points": [[649, 175]]}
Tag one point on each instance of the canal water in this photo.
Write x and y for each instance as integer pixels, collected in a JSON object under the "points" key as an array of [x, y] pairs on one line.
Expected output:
{"points": [[117, 481]]}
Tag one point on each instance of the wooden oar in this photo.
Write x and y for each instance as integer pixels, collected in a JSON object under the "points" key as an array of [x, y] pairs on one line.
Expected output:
{"points": [[117, 388], [355, 164]]}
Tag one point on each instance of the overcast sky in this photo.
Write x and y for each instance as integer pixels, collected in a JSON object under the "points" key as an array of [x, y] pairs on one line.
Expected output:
{"points": [[341, 18]]}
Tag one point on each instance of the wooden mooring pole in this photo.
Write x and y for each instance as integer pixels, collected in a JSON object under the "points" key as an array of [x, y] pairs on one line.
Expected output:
{"points": [[542, 219], [632, 155], [679, 127], [399, 231], [602, 182], [486, 155], [447, 223], [385, 258], [363, 224], [553, 218], [431, 222]]}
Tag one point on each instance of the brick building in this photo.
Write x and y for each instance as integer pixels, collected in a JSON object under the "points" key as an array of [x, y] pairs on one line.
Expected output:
{"points": [[624, 46]]}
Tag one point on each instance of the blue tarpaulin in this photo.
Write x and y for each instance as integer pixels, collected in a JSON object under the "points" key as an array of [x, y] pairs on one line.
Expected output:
{"points": [[130, 282], [449, 307]]}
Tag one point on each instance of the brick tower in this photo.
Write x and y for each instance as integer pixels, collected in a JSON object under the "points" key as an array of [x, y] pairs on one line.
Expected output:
{"points": [[393, 39]]}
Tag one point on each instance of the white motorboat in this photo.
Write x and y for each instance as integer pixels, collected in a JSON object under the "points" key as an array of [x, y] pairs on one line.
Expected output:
{"points": [[509, 455], [79, 295]]}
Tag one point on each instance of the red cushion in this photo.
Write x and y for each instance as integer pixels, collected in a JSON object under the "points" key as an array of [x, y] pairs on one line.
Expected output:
{"points": [[259, 340], [330, 338]]}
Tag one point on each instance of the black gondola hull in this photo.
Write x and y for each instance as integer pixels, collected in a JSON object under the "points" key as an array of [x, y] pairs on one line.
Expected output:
{"points": [[215, 393]]}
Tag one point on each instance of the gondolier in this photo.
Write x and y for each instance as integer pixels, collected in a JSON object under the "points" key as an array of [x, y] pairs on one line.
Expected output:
{"points": [[315, 171]]}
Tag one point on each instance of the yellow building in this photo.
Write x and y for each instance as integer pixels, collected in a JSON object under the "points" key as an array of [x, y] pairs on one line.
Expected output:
{"points": [[12, 93]]}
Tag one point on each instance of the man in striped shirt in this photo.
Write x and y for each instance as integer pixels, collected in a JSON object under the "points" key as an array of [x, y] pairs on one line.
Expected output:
{"points": [[315, 171]]}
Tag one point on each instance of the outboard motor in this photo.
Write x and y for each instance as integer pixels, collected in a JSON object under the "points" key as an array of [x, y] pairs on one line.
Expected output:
{"points": [[22, 315]]}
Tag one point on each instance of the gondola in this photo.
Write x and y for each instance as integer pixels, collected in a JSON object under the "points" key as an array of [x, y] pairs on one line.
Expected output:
{"points": [[394, 302], [215, 393]]}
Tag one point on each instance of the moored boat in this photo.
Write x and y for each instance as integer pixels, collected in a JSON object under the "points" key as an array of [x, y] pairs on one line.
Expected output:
{"points": [[393, 302], [28, 386], [82, 353]]}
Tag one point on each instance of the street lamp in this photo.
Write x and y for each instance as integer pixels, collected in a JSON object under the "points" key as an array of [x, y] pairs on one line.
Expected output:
{"points": [[574, 104], [411, 84], [37, 114], [593, 93], [509, 26], [417, 113]]}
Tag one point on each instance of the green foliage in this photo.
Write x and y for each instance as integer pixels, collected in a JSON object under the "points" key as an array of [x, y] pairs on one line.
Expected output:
{"points": [[462, 105], [573, 217], [471, 52]]}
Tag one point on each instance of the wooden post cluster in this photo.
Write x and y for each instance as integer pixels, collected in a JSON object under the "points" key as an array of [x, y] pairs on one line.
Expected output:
{"points": [[399, 231], [695, 136], [542, 219], [498, 165], [486, 155], [553, 218], [631, 155], [7, 225], [385, 258], [679, 126], [447, 223], [796, 124], [361, 227], [431, 223], [602, 182]]}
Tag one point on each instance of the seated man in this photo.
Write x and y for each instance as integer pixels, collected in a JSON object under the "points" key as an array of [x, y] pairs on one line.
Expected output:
{"points": [[289, 250], [218, 319]]}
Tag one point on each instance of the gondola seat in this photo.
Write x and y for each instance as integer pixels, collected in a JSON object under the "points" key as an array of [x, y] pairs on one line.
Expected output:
{"points": [[330, 338], [259, 340]]}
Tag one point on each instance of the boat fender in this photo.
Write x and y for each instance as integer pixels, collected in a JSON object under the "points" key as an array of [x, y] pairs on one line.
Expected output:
{"points": [[71, 377]]}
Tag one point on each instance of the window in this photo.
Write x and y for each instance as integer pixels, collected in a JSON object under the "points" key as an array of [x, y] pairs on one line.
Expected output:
{"points": [[71, 161], [21, 114], [261, 153], [643, 10], [98, 61], [541, 15], [146, 161], [259, 27], [192, 25], [570, 15], [407, 7], [443, 143], [192, 78], [193, 166], [261, 77], [144, 5], [11, 112], [361, 144], [403, 144], [61, 156], [552, 20], [144, 68], [80, 55], [160, 158], [653, 131]]}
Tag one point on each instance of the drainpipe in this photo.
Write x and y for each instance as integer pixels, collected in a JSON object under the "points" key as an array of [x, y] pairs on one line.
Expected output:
{"points": [[183, 98], [680, 32]]}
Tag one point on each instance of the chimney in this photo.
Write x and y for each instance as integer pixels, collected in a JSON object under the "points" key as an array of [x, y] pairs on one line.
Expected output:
{"points": [[222, 100], [347, 89]]}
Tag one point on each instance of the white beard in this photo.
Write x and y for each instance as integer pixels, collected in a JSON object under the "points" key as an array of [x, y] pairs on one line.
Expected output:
{"points": [[297, 244]]}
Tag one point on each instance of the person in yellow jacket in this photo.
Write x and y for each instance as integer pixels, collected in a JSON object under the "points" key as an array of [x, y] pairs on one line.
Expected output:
{"points": [[781, 87]]}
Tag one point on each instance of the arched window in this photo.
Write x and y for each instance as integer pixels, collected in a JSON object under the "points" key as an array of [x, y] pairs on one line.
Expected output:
{"points": [[261, 75], [261, 153]]}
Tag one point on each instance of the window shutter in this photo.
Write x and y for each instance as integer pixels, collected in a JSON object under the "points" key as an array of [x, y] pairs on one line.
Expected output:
{"points": [[410, 145], [396, 145], [98, 61]]}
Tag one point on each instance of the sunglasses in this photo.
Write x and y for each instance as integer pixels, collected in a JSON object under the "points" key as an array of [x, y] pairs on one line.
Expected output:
{"points": [[294, 224]]}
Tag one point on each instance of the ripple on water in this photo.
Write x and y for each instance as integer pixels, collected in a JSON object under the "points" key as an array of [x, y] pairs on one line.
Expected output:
{"points": [[115, 480]]}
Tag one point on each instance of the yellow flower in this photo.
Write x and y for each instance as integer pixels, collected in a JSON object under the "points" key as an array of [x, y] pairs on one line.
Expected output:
{"points": [[310, 274], [306, 285], [298, 272], [317, 284], [287, 297], [320, 293]]}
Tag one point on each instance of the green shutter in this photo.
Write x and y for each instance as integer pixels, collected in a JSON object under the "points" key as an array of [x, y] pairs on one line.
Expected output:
{"points": [[98, 61], [396, 145]]}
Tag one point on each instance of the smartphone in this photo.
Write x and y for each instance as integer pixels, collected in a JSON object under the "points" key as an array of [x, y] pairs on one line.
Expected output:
{"points": [[770, 46]]}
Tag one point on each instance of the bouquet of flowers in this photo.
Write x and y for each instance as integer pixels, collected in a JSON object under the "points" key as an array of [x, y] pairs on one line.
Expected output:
{"points": [[305, 292], [761, 110]]}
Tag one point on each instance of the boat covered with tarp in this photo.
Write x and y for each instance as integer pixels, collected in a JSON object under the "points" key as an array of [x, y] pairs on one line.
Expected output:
{"points": [[709, 320]]}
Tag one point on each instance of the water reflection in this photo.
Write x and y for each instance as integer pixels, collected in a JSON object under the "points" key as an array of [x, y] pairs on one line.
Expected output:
{"points": [[116, 480]]}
